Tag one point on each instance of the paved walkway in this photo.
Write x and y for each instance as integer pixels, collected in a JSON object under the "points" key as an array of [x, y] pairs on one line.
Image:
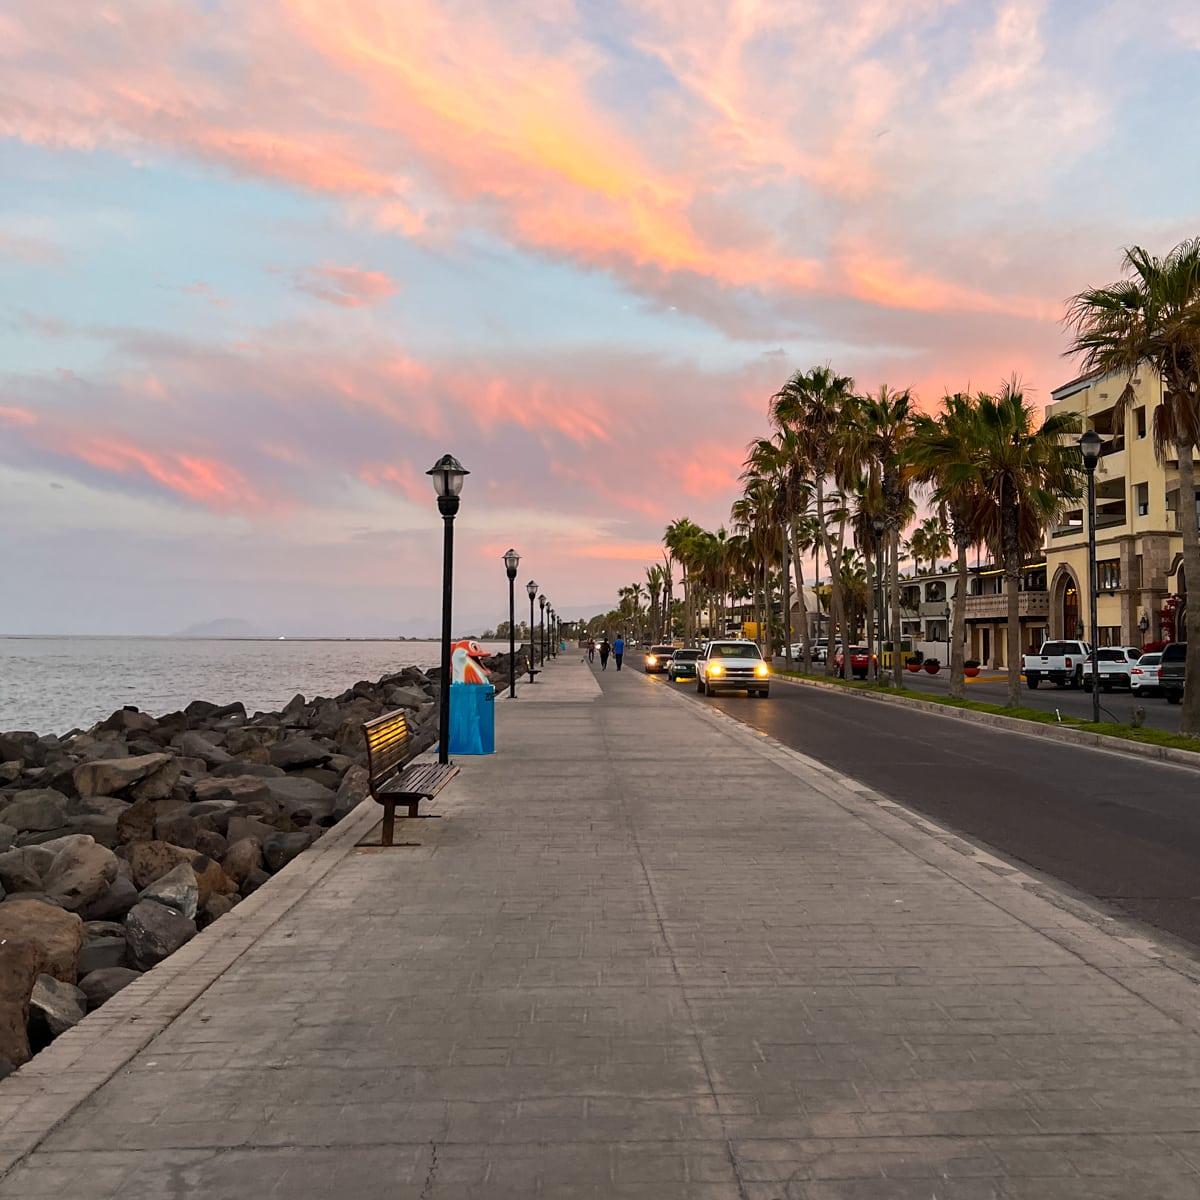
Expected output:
{"points": [[646, 953]]}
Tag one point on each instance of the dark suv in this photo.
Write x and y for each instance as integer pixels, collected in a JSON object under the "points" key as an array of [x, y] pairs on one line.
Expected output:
{"points": [[1171, 676]]}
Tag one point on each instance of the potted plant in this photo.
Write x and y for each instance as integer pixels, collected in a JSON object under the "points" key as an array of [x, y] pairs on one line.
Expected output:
{"points": [[912, 663], [971, 668], [932, 666]]}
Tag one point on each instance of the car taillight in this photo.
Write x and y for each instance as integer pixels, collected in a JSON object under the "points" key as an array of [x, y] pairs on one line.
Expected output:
{"points": [[1068, 661]]}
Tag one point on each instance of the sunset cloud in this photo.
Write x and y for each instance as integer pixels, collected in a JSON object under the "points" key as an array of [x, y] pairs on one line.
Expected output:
{"points": [[349, 287]]}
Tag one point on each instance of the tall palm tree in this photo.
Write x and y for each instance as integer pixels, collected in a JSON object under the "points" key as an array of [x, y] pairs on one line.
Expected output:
{"points": [[654, 586], [682, 542], [944, 456], [813, 406], [1027, 473], [1152, 316]]}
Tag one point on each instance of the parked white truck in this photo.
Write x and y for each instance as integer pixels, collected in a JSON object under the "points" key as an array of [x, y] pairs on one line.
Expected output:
{"points": [[1061, 662]]}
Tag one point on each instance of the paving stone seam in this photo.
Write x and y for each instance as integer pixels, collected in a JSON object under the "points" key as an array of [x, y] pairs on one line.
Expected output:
{"points": [[47, 1089], [1167, 755], [1165, 980]]}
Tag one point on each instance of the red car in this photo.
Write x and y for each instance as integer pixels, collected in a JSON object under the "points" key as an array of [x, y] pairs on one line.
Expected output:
{"points": [[861, 660]]}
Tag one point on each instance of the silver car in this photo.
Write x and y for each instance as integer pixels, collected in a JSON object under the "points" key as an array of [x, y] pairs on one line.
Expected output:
{"points": [[732, 665]]}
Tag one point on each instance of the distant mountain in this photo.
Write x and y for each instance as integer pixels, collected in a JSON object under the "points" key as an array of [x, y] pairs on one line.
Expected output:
{"points": [[227, 627]]}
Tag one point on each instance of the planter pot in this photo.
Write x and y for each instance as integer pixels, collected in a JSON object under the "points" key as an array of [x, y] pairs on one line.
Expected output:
{"points": [[932, 668], [913, 666], [970, 672]]}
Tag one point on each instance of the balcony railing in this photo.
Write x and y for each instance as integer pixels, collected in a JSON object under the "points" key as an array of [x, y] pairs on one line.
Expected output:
{"points": [[995, 608]]}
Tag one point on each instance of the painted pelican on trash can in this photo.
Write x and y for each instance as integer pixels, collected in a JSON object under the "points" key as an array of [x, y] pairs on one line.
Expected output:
{"points": [[465, 664]]}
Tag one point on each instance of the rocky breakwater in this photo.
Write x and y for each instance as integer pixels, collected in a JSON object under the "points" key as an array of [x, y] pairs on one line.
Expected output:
{"points": [[119, 843]]}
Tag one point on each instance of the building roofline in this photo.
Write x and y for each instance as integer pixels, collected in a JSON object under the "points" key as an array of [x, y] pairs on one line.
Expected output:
{"points": [[1073, 387]]}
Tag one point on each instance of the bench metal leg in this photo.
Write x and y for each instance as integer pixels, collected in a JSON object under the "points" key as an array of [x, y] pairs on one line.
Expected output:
{"points": [[389, 823], [412, 806]]}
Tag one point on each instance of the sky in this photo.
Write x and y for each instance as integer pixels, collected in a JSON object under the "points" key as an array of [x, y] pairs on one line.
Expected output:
{"points": [[262, 262]]}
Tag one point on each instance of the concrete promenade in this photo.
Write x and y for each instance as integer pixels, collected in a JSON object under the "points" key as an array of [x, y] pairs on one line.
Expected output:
{"points": [[646, 953]]}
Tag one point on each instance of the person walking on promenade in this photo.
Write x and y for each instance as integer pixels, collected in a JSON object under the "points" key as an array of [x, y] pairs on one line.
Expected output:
{"points": [[591, 649], [605, 650], [619, 650]]}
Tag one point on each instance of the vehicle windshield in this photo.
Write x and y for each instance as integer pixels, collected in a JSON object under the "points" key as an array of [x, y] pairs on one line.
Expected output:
{"points": [[686, 655], [734, 650], [1150, 660], [1056, 648], [661, 651], [1109, 655]]}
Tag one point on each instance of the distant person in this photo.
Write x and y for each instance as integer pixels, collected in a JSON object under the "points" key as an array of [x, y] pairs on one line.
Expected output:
{"points": [[591, 649], [619, 650], [605, 651]]}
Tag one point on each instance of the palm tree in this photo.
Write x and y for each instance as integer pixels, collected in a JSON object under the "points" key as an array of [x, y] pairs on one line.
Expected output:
{"points": [[944, 456], [813, 406], [682, 542], [1152, 316], [1026, 474], [654, 586]]}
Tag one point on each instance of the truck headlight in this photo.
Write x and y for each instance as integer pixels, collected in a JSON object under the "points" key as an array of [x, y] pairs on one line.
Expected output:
{"points": [[762, 670], [716, 669]]}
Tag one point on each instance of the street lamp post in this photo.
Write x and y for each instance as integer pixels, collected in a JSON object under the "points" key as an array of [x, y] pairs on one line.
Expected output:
{"points": [[542, 636], [1144, 625], [531, 592], [448, 474], [512, 560], [878, 525], [946, 616], [551, 644], [1090, 446]]}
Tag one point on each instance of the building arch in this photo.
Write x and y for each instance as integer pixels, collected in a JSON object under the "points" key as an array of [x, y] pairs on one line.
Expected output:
{"points": [[1066, 603]]}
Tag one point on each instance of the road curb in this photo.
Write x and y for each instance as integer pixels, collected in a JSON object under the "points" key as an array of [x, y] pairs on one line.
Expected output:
{"points": [[1050, 733]]}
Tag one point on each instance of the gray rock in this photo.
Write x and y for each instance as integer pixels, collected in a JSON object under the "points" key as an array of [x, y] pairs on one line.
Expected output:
{"points": [[254, 881], [178, 828], [212, 814], [98, 826], [18, 745], [294, 795], [90, 748], [217, 906], [20, 871], [299, 752], [211, 844], [129, 720], [242, 859], [115, 903], [80, 874], [406, 697], [177, 889], [7, 834], [102, 952], [352, 792], [196, 745], [103, 984], [238, 767], [249, 827], [159, 784], [242, 789], [10, 772], [153, 932], [250, 737], [110, 776], [54, 1007], [36, 809], [283, 847]]}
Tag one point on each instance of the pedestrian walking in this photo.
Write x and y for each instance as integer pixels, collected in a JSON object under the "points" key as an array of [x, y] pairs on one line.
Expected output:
{"points": [[619, 650], [605, 651], [591, 649]]}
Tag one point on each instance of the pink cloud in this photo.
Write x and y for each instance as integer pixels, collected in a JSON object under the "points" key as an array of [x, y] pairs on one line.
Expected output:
{"points": [[399, 478], [349, 287], [17, 416]]}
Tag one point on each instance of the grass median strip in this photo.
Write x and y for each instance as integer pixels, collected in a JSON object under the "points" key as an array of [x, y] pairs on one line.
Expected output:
{"points": [[1128, 733]]}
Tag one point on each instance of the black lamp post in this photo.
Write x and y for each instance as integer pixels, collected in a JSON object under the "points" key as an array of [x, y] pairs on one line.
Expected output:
{"points": [[531, 592], [448, 474], [1143, 625], [947, 615], [542, 634], [512, 560], [553, 634], [878, 525], [1090, 446]]}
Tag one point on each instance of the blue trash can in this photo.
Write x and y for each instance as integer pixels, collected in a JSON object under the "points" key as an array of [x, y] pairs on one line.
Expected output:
{"points": [[472, 718]]}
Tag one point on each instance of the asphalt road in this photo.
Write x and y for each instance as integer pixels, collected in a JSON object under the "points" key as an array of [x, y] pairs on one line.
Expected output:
{"points": [[1122, 830], [1114, 706]]}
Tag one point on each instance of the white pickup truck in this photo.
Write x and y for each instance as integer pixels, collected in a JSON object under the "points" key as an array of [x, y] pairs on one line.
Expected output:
{"points": [[1061, 662]]}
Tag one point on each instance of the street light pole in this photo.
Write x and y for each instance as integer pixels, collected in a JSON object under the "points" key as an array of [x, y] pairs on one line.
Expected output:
{"points": [[448, 474], [1090, 446], [542, 636], [512, 560], [946, 616], [878, 525], [531, 592]]}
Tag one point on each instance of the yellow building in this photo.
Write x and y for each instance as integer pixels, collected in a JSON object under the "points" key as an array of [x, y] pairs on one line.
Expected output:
{"points": [[1138, 546]]}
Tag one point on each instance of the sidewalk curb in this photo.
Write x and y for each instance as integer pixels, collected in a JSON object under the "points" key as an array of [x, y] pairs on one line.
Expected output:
{"points": [[1051, 733]]}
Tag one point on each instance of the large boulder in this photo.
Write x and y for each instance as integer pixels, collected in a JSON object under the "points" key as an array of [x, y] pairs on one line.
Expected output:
{"points": [[150, 861], [249, 827], [19, 746], [211, 880], [21, 870], [20, 965], [283, 847], [160, 783], [36, 808], [103, 984], [239, 766], [299, 752], [242, 857], [242, 789], [352, 791], [196, 745], [54, 1007], [104, 947], [406, 697], [251, 737], [136, 823], [211, 844], [7, 836], [177, 889], [111, 776], [294, 795], [178, 827], [56, 933], [80, 874], [128, 720], [153, 932], [115, 903]]}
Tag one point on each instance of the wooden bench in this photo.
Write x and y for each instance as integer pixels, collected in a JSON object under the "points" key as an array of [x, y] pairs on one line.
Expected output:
{"points": [[393, 777]]}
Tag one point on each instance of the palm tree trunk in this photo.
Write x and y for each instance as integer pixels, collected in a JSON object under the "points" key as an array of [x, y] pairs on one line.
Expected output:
{"points": [[835, 582], [1189, 717], [958, 685], [869, 560], [799, 561], [1011, 543], [787, 601], [894, 588]]}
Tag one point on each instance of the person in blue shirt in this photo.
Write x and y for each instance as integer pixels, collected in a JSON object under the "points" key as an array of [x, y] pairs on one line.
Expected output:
{"points": [[618, 649]]}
